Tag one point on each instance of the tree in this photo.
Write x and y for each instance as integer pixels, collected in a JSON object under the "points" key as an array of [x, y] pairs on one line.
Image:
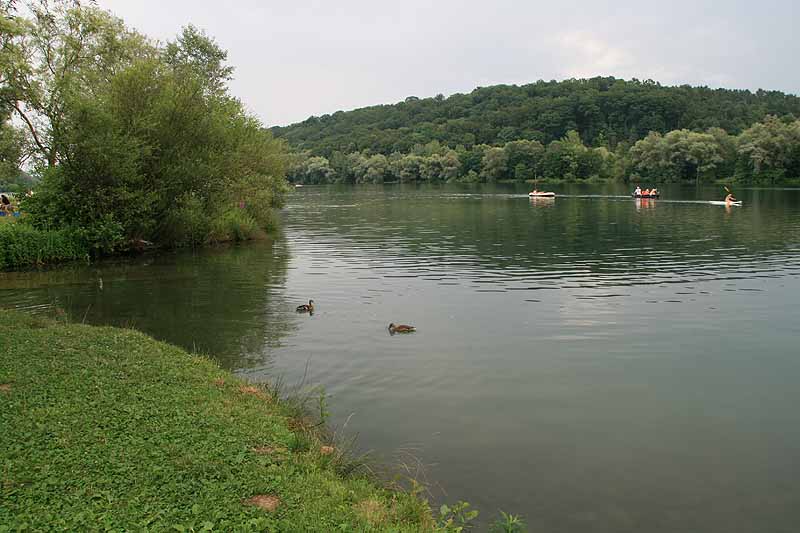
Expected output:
{"points": [[69, 49], [376, 169], [770, 150], [678, 155], [524, 157], [158, 149], [312, 170], [494, 165]]}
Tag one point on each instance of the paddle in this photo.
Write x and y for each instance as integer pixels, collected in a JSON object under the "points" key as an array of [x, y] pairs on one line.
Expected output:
{"points": [[734, 201]]}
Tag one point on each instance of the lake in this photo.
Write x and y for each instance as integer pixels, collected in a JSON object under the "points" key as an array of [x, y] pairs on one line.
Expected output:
{"points": [[594, 363]]}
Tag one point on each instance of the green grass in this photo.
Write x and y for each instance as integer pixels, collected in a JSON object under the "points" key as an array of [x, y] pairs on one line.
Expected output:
{"points": [[107, 429]]}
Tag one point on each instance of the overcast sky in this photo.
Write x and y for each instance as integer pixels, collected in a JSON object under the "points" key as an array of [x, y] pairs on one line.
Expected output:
{"points": [[297, 58]]}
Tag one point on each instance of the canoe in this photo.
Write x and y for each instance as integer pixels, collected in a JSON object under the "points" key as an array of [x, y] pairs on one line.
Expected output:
{"points": [[717, 202], [645, 196], [542, 195]]}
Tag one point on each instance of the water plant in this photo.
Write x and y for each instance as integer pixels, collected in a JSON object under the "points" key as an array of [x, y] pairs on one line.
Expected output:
{"points": [[508, 523]]}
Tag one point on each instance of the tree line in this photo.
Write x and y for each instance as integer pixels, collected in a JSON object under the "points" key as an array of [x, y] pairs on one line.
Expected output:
{"points": [[133, 139], [604, 111], [766, 152]]}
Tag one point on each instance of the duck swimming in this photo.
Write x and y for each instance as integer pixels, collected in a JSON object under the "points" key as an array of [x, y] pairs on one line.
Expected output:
{"points": [[401, 328], [306, 308]]}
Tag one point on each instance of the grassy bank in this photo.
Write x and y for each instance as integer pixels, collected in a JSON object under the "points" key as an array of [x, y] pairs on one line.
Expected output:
{"points": [[22, 245], [106, 428]]}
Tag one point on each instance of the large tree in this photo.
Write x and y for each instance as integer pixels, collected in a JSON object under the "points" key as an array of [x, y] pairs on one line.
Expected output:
{"points": [[140, 141], [60, 50]]}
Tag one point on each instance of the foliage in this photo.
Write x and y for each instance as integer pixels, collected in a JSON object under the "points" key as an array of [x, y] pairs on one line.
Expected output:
{"points": [[233, 225], [456, 518], [770, 150], [60, 50], [107, 428], [12, 144], [138, 140], [508, 523], [605, 111], [767, 151], [586, 129], [678, 155], [23, 246]]}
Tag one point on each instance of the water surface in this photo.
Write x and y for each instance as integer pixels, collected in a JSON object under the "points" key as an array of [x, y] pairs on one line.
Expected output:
{"points": [[594, 363]]}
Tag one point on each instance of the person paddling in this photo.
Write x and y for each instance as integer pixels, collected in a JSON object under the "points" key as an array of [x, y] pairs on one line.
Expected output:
{"points": [[730, 198]]}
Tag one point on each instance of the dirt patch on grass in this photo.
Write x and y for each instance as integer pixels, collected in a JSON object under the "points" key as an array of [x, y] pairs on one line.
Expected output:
{"points": [[5, 387], [255, 391], [327, 450], [268, 502], [219, 382], [372, 511]]}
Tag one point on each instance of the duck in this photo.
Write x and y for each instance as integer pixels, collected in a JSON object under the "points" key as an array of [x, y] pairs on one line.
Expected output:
{"points": [[401, 328], [306, 308]]}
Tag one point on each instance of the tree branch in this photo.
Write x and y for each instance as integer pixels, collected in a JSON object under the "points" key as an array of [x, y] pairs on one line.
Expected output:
{"points": [[32, 129]]}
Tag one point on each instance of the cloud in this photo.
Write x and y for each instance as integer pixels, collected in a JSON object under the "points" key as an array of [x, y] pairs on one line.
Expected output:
{"points": [[587, 55], [311, 57]]}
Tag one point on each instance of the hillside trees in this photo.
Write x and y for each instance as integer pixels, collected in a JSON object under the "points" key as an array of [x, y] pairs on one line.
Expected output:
{"points": [[605, 111]]}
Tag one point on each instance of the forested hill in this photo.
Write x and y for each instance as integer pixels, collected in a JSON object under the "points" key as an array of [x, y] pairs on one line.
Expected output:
{"points": [[604, 111]]}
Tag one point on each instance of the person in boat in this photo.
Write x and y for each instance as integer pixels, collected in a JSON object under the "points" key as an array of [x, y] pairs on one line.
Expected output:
{"points": [[646, 192], [730, 198], [638, 191], [654, 192]]}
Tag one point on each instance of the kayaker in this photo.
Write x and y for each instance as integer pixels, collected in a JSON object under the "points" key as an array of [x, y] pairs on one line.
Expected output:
{"points": [[729, 198], [646, 192], [653, 192], [638, 191]]}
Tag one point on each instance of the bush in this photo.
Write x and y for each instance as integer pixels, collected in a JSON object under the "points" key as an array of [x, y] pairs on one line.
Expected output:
{"points": [[21, 246], [104, 236], [234, 224], [186, 225]]}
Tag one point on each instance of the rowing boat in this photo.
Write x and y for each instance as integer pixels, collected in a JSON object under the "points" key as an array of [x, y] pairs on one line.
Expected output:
{"points": [[542, 194], [718, 202], [645, 196]]}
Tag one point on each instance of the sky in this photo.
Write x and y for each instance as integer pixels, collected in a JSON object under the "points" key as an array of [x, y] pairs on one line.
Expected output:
{"points": [[300, 58]]}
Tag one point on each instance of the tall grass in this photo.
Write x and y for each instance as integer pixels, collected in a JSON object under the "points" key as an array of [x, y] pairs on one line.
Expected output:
{"points": [[233, 225], [22, 245]]}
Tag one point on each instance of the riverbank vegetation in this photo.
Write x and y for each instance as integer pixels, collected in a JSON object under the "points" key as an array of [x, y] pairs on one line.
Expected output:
{"points": [[576, 130], [22, 245], [108, 428], [134, 140]]}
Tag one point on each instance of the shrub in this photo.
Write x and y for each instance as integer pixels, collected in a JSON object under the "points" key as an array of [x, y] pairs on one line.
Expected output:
{"points": [[104, 236], [234, 224], [22, 245], [186, 225]]}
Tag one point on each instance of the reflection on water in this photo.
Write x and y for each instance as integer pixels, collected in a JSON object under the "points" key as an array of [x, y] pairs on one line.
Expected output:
{"points": [[590, 361], [226, 302]]}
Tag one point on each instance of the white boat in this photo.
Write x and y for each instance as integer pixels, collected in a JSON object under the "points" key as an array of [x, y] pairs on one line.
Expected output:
{"points": [[720, 202], [542, 194]]}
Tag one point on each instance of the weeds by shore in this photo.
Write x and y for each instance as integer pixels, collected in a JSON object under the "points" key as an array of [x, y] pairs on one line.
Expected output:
{"points": [[22, 246]]}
